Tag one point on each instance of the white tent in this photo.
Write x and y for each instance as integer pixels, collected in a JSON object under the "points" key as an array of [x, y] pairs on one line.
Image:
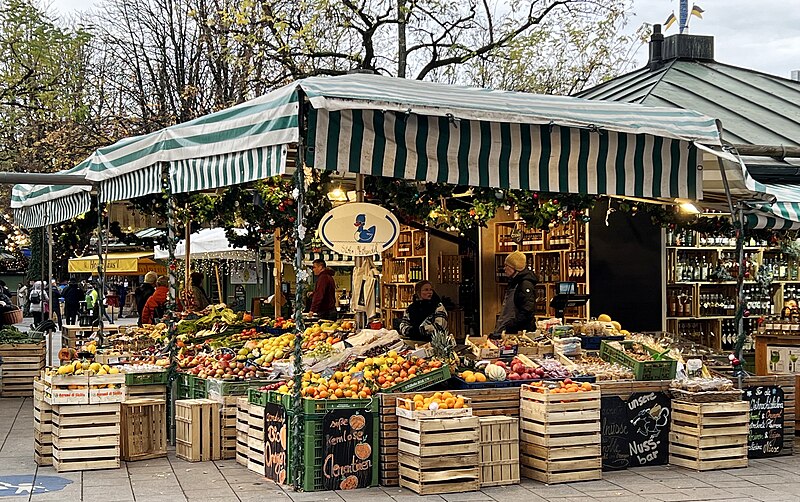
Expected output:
{"points": [[209, 244]]}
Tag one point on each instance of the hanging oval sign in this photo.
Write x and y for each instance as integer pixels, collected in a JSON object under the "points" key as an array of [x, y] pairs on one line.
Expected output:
{"points": [[359, 229]]}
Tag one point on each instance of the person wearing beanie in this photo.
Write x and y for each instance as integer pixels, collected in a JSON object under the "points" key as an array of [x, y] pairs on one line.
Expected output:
{"points": [[519, 304], [145, 291]]}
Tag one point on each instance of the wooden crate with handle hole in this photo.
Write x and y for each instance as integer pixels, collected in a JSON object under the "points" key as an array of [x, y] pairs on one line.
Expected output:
{"points": [[144, 429], [708, 436]]}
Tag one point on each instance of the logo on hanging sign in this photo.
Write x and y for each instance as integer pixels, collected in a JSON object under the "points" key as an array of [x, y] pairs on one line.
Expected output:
{"points": [[359, 229]]}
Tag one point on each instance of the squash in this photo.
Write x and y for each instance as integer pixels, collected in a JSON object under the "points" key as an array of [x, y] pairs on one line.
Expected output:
{"points": [[495, 373], [63, 354], [247, 317]]}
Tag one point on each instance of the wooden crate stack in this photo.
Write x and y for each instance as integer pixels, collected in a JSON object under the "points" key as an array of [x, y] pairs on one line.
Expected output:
{"points": [[485, 402], [86, 437], [197, 430], [227, 423], [22, 362], [438, 455], [560, 435], [250, 437], [707, 436], [144, 429], [499, 451], [42, 426]]}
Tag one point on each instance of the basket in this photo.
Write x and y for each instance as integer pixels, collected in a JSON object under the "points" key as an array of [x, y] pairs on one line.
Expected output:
{"points": [[712, 396], [663, 369], [11, 316]]}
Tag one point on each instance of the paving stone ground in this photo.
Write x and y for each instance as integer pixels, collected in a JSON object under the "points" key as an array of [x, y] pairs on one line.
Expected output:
{"points": [[173, 480]]}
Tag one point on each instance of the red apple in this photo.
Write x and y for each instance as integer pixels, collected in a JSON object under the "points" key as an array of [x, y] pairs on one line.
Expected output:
{"points": [[501, 364], [513, 376], [526, 376]]}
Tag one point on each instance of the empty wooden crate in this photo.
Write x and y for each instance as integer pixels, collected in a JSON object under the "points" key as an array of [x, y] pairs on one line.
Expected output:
{"points": [[144, 429], [86, 436], [22, 362], [438, 455], [499, 451], [560, 435], [707, 436], [42, 426], [197, 430]]}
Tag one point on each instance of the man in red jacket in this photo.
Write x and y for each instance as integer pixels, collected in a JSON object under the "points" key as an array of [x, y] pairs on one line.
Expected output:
{"points": [[323, 303], [156, 304]]}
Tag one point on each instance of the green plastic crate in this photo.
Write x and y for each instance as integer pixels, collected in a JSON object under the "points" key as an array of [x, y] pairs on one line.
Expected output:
{"points": [[257, 397], [320, 407], [191, 387], [663, 369], [421, 382], [234, 387], [313, 449], [149, 378]]}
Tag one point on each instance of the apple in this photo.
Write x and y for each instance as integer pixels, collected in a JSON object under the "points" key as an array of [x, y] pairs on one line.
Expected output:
{"points": [[539, 372], [518, 368], [526, 376], [513, 376], [501, 364], [567, 381]]}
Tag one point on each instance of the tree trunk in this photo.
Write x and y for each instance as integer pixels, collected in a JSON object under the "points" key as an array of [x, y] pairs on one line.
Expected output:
{"points": [[401, 39]]}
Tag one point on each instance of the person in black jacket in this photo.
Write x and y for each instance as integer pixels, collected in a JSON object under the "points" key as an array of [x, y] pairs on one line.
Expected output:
{"points": [[145, 291], [73, 295], [55, 294], [519, 304]]}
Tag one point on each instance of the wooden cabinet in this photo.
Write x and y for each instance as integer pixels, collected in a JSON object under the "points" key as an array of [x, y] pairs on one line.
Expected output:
{"points": [[404, 265], [561, 254]]}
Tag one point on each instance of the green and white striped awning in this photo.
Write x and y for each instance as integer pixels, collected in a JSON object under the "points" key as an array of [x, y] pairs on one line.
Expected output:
{"points": [[420, 131], [782, 215]]}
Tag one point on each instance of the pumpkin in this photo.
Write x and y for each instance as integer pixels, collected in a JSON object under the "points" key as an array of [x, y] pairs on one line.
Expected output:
{"points": [[63, 354], [247, 317], [495, 373]]}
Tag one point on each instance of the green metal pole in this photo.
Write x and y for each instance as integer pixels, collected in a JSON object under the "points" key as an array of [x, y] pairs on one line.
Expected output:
{"points": [[300, 293]]}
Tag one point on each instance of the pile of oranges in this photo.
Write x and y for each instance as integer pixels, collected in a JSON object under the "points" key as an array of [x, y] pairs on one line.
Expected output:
{"points": [[392, 369], [437, 401], [472, 376], [340, 385], [563, 387]]}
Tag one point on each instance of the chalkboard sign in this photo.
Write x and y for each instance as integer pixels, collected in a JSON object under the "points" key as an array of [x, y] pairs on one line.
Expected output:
{"points": [[635, 432], [275, 436], [348, 455], [614, 433], [765, 437]]}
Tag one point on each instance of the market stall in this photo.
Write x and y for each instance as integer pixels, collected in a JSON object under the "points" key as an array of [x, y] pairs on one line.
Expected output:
{"points": [[325, 376]]}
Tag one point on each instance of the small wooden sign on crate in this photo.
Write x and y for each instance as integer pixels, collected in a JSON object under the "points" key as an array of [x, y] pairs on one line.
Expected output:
{"points": [[197, 430], [560, 435], [438, 455], [499, 451], [708, 436]]}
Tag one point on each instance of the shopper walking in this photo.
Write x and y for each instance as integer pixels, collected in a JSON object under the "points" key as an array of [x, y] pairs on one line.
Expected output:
{"points": [[145, 291], [73, 294], [37, 300], [55, 294], [22, 297]]}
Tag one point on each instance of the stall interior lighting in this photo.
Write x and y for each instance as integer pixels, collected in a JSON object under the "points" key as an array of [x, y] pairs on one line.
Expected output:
{"points": [[688, 207], [337, 195]]}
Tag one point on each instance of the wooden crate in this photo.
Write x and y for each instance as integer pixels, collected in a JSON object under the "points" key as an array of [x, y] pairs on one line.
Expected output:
{"points": [[22, 362], [498, 455], [242, 429], [42, 426], [485, 402], [560, 436], [197, 430], [707, 436], [66, 389], [146, 392], [144, 429], [86, 437], [227, 423], [439, 455]]}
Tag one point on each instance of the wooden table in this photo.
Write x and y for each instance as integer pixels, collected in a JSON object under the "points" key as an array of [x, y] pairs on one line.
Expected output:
{"points": [[72, 335]]}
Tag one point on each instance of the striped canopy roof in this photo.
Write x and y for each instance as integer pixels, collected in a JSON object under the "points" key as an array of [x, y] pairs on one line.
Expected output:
{"points": [[408, 129], [782, 215]]}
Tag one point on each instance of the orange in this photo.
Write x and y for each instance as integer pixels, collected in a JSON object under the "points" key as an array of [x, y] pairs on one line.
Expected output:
{"points": [[480, 377]]}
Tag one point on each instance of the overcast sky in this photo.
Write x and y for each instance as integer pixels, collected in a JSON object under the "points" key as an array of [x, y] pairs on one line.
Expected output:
{"points": [[762, 35]]}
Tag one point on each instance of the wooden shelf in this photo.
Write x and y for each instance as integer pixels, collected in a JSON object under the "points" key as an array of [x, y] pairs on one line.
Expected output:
{"points": [[711, 248]]}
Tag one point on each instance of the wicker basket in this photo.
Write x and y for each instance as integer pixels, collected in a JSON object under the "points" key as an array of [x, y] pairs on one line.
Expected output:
{"points": [[11, 317], [713, 396]]}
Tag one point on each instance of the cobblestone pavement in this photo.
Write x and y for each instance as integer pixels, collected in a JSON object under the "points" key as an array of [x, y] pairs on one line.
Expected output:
{"points": [[173, 480]]}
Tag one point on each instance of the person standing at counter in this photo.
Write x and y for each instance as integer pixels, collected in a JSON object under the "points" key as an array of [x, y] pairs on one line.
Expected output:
{"points": [[323, 302], [519, 304], [425, 314]]}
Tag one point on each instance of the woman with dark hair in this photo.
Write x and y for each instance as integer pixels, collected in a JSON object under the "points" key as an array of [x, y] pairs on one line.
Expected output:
{"points": [[201, 300], [425, 315]]}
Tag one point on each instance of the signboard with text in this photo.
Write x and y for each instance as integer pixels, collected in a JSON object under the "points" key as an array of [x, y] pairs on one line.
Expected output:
{"points": [[348, 455], [635, 432], [359, 229]]}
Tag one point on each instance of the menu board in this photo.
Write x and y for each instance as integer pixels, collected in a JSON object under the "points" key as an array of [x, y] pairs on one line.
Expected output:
{"points": [[765, 436], [635, 432], [348, 455], [614, 430], [275, 436]]}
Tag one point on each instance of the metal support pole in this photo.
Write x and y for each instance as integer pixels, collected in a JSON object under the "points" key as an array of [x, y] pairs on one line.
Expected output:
{"points": [[301, 282], [49, 232], [101, 267], [361, 317]]}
